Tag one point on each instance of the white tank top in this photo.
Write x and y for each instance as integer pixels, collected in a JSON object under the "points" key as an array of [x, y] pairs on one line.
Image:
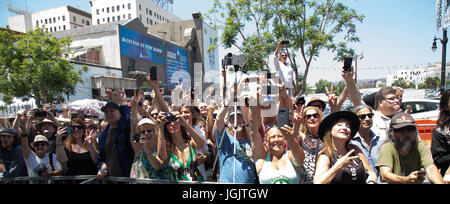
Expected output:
{"points": [[287, 175]]}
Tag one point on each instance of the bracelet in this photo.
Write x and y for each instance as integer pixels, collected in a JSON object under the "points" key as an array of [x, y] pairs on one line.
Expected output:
{"points": [[371, 182]]}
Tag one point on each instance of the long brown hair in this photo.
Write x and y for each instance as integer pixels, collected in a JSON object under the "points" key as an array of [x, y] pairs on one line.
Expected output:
{"points": [[71, 139]]}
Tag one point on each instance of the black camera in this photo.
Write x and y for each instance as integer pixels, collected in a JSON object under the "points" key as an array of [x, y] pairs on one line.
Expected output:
{"points": [[40, 169], [136, 138], [170, 116], [285, 42], [300, 101], [40, 113]]}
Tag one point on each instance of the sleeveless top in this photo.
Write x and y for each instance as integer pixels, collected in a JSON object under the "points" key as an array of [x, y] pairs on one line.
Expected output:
{"points": [[311, 147], [287, 175], [353, 173], [190, 172]]}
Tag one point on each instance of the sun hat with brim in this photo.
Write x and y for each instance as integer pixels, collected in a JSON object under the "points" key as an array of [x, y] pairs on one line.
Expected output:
{"points": [[39, 124], [8, 132], [40, 138], [110, 105], [314, 99], [331, 119], [146, 121], [401, 120]]}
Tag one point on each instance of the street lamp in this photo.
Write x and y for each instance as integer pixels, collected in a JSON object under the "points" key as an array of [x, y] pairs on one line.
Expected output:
{"points": [[444, 54]]}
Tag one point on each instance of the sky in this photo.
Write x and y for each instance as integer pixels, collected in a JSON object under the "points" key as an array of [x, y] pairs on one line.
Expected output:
{"points": [[395, 34]]}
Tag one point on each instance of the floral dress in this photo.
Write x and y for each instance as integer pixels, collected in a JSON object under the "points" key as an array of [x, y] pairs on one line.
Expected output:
{"points": [[142, 169]]}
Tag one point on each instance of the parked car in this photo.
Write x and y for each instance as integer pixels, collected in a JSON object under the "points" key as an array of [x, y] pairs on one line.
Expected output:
{"points": [[423, 109]]}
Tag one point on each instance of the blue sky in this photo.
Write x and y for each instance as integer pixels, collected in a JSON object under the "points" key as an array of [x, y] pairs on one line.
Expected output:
{"points": [[394, 35]]}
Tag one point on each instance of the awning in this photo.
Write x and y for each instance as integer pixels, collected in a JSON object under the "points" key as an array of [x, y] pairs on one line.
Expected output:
{"points": [[99, 82]]}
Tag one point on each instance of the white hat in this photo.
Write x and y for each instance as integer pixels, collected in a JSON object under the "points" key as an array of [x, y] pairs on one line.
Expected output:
{"points": [[144, 121]]}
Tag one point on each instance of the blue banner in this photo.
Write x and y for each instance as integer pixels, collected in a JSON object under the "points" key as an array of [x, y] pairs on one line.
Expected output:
{"points": [[177, 66], [137, 45]]}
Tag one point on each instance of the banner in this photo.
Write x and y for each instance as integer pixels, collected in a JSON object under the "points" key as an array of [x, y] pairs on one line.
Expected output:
{"points": [[137, 45], [446, 13], [439, 16], [177, 66]]}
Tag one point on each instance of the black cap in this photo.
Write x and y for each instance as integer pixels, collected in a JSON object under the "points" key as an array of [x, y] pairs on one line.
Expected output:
{"points": [[330, 120], [8, 131], [110, 105]]}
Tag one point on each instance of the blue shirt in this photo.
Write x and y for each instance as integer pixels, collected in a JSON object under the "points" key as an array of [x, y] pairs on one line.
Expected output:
{"points": [[372, 152], [245, 166]]}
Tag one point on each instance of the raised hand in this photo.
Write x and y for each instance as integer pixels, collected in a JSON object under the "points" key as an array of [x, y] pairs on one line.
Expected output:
{"points": [[332, 99], [346, 159]]}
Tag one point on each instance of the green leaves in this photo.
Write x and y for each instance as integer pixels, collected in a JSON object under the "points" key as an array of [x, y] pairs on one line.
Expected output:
{"points": [[32, 66]]}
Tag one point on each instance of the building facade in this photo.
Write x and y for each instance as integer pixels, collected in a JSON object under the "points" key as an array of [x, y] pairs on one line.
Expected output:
{"points": [[106, 11], [418, 75], [52, 20]]}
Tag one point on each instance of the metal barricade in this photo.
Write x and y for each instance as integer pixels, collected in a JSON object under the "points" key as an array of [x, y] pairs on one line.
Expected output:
{"points": [[426, 132], [90, 179]]}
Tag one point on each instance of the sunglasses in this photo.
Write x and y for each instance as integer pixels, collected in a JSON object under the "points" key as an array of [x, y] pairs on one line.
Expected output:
{"points": [[146, 131], [362, 117], [79, 127], [38, 144], [315, 115]]}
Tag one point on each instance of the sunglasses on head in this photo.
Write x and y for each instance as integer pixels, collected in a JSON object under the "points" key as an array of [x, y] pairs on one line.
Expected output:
{"points": [[362, 117]]}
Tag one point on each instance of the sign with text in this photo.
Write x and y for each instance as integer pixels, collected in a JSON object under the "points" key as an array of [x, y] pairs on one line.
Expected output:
{"points": [[140, 46], [177, 66]]}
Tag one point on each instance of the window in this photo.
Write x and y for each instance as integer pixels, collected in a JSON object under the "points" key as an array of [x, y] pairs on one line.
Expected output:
{"points": [[432, 106], [64, 27], [87, 23], [37, 22], [118, 8], [82, 21], [42, 21], [50, 20], [107, 10], [74, 19], [140, 8], [54, 19], [123, 6], [51, 30], [129, 16], [112, 8], [103, 20], [151, 22], [131, 65], [64, 18], [113, 18], [124, 16], [98, 11], [98, 21], [118, 18], [150, 12], [108, 19], [46, 21], [129, 5], [103, 10], [59, 18], [146, 11], [140, 17]]}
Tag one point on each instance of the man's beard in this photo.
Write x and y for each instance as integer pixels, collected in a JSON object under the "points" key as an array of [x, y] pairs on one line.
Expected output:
{"points": [[405, 146]]}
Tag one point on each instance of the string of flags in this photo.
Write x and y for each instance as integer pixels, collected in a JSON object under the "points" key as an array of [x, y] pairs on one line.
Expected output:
{"points": [[376, 68]]}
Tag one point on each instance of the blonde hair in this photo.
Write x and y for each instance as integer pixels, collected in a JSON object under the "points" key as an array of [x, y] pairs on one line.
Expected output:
{"points": [[303, 128]]}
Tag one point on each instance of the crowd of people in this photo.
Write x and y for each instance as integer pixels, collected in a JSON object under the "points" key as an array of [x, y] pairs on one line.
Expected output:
{"points": [[377, 142]]}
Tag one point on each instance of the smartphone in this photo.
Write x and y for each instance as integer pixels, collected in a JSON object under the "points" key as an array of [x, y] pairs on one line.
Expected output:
{"points": [[300, 101], [136, 138], [283, 117], [348, 64], [285, 42], [153, 73], [40, 113], [69, 130]]}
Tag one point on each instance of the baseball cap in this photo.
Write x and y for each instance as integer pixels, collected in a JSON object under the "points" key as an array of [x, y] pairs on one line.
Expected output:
{"points": [[8, 131], [401, 120]]}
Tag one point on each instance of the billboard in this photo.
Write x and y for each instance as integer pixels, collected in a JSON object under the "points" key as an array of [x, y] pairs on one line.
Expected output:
{"points": [[177, 66], [211, 54], [137, 45]]}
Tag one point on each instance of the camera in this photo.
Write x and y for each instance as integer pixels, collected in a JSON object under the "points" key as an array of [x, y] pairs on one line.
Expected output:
{"points": [[170, 116], [300, 101], [136, 138], [285, 42], [40, 169], [234, 60], [40, 113]]}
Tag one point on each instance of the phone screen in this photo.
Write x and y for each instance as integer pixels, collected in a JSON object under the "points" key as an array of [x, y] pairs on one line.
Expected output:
{"points": [[153, 73]]}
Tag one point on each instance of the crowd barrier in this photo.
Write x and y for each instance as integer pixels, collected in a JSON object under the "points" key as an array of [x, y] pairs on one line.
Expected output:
{"points": [[90, 179]]}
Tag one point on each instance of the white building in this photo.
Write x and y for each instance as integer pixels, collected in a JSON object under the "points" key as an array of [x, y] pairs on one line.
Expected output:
{"points": [[54, 19], [107, 11], [417, 75]]}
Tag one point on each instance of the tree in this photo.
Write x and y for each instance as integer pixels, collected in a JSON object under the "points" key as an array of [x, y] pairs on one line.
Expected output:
{"points": [[321, 86], [310, 26], [400, 83], [33, 65], [432, 82]]}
